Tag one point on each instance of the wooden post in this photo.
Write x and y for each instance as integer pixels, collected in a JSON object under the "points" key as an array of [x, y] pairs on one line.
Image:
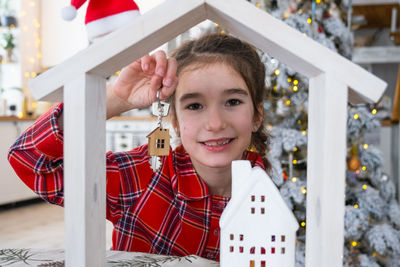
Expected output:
{"points": [[327, 119], [84, 170]]}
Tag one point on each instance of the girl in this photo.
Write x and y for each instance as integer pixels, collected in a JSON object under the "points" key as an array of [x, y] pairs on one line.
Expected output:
{"points": [[217, 111]]}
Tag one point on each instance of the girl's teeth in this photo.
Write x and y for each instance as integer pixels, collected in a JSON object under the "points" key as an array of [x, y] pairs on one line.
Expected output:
{"points": [[217, 143]]}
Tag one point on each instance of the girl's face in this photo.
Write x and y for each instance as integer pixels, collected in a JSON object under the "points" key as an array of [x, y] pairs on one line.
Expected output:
{"points": [[214, 115]]}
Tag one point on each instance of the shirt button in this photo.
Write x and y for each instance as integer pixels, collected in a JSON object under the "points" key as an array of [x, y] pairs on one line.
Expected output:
{"points": [[216, 231]]}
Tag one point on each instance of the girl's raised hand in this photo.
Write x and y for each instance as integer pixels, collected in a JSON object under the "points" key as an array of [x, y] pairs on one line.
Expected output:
{"points": [[138, 82]]}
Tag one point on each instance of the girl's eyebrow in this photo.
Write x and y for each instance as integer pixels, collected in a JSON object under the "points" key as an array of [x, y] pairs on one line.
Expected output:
{"points": [[230, 91], [236, 91], [187, 96]]}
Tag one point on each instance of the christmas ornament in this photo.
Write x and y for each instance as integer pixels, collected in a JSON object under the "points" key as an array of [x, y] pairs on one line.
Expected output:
{"points": [[102, 16], [353, 163], [159, 138]]}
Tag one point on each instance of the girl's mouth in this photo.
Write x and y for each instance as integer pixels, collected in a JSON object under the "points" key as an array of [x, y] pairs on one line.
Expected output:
{"points": [[217, 145]]}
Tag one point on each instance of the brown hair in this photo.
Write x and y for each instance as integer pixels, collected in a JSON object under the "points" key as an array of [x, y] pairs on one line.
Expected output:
{"points": [[244, 59]]}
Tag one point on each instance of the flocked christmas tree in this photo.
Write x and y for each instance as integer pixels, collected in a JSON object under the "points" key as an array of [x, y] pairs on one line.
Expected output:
{"points": [[372, 216]]}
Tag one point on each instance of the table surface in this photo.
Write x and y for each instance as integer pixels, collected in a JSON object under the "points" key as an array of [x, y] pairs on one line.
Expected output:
{"points": [[55, 258]]}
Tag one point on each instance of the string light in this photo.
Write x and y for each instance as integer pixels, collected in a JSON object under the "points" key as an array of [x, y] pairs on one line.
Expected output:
{"points": [[309, 20], [365, 146], [295, 82], [294, 161], [374, 111], [295, 88], [364, 187], [304, 132], [275, 87], [318, 1], [364, 168], [295, 149], [303, 224], [289, 80], [356, 116], [356, 206], [277, 72], [354, 243], [294, 179], [288, 102], [303, 190]]}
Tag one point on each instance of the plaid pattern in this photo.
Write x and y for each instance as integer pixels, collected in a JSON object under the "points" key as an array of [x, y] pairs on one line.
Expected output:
{"points": [[168, 212]]}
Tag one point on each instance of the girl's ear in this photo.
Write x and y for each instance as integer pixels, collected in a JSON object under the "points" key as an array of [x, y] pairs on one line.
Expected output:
{"points": [[258, 116]]}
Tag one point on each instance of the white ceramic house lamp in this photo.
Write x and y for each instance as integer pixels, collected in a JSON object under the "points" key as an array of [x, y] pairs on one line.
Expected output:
{"points": [[257, 227]]}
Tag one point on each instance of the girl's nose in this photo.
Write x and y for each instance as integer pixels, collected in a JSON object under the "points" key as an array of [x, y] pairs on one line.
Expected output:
{"points": [[215, 120]]}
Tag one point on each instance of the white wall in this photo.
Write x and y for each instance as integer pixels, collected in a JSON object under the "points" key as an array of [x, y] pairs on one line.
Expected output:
{"points": [[62, 39]]}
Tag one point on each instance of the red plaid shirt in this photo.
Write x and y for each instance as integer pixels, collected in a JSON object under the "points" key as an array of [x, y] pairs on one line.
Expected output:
{"points": [[168, 212]]}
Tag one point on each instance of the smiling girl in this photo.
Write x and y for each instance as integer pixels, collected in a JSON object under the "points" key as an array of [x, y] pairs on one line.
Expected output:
{"points": [[216, 88]]}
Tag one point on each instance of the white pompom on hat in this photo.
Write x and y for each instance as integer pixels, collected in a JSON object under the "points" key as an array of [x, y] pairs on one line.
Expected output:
{"points": [[103, 16]]}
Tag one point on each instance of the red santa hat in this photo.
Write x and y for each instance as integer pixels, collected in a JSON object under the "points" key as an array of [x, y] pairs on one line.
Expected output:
{"points": [[102, 16]]}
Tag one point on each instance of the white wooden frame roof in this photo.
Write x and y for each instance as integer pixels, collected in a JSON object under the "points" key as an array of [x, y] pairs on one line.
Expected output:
{"points": [[80, 83]]}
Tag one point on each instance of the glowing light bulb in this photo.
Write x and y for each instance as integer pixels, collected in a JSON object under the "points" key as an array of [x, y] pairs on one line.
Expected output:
{"points": [[355, 116], [309, 21], [303, 224], [277, 72], [365, 146], [374, 111], [294, 179], [295, 82], [295, 88], [289, 80], [364, 168], [295, 149], [356, 206], [304, 132], [364, 187], [294, 161], [354, 243], [288, 102], [303, 190]]}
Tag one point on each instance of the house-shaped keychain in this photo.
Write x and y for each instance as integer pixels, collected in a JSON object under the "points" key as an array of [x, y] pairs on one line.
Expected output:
{"points": [[158, 141], [257, 227]]}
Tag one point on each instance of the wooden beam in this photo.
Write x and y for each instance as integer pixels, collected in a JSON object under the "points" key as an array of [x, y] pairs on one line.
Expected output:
{"points": [[374, 2], [376, 55], [326, 171], [116, 50], [84, 170], [292, 47]]}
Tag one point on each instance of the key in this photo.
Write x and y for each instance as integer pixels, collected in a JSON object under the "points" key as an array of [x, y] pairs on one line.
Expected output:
{"points": [[155, 163], [160, 111]]}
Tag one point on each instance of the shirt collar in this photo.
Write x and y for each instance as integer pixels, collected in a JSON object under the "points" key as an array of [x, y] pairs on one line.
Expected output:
{"points": [[187, 184]]}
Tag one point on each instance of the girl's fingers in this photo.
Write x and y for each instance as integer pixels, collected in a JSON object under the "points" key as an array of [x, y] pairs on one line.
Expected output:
{"points": [[161, 62], [170, 76], [170, 81], [145, 62]]}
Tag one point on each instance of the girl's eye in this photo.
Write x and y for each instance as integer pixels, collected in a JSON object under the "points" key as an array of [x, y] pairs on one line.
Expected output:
{"points": [[233, 102], [194, 106]]}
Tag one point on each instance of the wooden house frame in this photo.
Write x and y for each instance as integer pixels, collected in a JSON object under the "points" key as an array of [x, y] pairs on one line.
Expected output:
{"points": [[81, 80]]}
